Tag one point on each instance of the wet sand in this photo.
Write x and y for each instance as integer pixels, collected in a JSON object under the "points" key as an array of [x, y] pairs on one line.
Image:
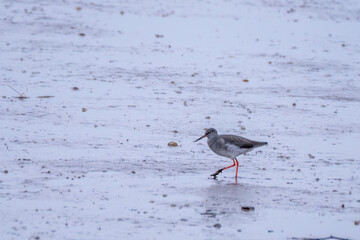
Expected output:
{"points": [[108, 85]]}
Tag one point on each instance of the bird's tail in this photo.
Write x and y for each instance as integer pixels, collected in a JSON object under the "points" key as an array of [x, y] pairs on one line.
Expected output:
{"points": [[259, 144]]}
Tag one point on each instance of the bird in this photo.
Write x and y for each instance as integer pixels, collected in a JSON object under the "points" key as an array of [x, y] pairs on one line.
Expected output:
{"points": [[229, 146]]}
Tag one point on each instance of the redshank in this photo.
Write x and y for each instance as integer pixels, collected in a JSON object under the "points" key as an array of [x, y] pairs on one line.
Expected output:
{"points": [[229, 146]]}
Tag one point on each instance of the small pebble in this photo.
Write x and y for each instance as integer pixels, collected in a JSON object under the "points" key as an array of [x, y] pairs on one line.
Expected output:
{"points": [[172, 144], [217, 225], [247, 209]]}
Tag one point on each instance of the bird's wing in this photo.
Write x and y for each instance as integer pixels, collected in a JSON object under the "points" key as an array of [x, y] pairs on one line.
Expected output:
{"points": [[238, 141], [241, 142]]}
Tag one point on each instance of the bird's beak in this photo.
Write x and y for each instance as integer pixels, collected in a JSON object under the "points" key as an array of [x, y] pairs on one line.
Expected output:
{"points": [[200, 138]]}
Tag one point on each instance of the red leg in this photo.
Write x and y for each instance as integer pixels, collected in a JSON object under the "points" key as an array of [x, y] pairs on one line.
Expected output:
{"points": [[237, 167], [220, 170], [230, 166]]}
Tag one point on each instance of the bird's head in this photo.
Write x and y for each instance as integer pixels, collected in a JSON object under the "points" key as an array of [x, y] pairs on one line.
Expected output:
{"points": [[210, 132]]}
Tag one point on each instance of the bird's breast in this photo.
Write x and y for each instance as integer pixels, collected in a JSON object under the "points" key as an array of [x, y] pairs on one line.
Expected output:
{"points": [[226, 149], [221, 148]]}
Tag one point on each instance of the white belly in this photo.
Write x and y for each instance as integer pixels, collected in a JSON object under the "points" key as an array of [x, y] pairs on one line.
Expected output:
{"points": [[229, 151]]}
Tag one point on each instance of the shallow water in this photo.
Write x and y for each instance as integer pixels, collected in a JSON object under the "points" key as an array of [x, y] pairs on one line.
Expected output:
{"points": [[93, 162]]}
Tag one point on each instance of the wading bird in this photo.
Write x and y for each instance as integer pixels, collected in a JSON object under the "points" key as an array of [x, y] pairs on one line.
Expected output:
{"points": [[229, 146]]}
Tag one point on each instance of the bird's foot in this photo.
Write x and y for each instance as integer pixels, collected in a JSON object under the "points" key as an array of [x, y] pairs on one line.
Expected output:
{"points": [[216, 173]]}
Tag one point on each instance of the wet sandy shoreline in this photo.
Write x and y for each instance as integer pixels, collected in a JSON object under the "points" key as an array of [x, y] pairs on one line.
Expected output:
{"points": [[93, 162]]}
